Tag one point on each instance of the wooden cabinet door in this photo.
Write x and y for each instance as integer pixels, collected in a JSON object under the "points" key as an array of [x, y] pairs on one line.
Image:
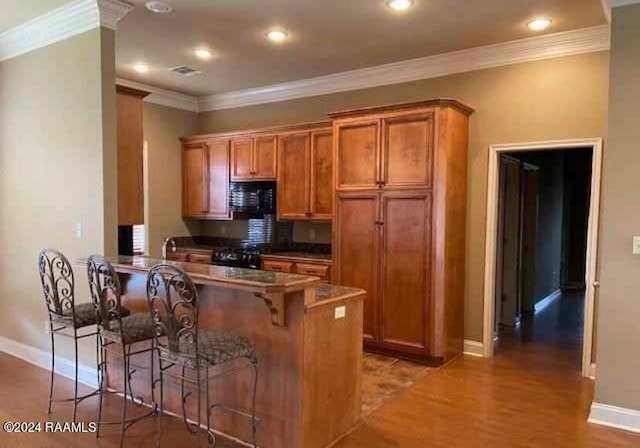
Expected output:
{"points": [[242, 159], [321, 179], [318, 270], [357, 155], [357, 237], [293, 176], [130, 141], [264, 158], [218, 179], [405, 270], [407, 151], [277, 266], [194, 181]]}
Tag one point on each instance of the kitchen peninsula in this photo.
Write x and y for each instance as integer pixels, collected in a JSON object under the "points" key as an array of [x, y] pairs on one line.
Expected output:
{"points": [[308, 338]]}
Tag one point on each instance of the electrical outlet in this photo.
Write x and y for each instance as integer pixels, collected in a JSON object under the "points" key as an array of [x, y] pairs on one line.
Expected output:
{"points": [[312, 234], [223, 229], [636, 245], [339, 312], [78, 230]]}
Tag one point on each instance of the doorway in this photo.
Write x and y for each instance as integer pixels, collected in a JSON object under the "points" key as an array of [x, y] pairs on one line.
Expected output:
{"points": [[541, 244]]}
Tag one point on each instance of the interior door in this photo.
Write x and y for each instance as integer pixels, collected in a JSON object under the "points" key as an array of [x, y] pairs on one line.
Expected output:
{"points": [[242, 159], [407, 151], [322, 175], [405, 269], [358, 156], [264, 158], [356, 244], [194, 178], [293, 176], [529, 237], [510, 242], [218, 179]]}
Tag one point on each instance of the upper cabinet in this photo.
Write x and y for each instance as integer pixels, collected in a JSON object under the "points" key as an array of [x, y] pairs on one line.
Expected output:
{"points": [[253, 158], [356, 146], [205, 178], [387, 151], [299, 157], [321, 178], [305, 173], [130, 141]]}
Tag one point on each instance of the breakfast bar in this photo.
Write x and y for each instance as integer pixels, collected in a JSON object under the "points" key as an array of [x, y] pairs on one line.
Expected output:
{"points": [[308, 338]]}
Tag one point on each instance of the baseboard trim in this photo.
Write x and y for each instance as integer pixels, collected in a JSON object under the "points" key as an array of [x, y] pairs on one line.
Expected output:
{"points": [[40, 358], [615, 417], [542, 304], [473, 348]]}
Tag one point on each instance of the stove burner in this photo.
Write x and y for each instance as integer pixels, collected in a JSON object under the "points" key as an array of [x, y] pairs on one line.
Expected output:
{"points": [[237, 257]]}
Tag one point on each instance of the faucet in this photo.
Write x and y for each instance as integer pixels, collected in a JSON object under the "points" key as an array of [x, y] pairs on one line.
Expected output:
{"points": [[168, 241]]}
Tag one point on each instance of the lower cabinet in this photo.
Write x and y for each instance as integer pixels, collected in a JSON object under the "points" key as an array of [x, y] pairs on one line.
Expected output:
{"points": [[383, 245], [313, 267]]}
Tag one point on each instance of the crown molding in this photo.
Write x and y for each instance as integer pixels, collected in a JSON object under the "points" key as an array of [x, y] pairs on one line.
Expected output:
{"points": [[61, 23], [163, 97], [567, 43]]}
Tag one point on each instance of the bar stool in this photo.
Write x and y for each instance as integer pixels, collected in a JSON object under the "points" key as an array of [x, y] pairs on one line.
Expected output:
{"points": [[118, 333], [173, 300], [66, 318]]}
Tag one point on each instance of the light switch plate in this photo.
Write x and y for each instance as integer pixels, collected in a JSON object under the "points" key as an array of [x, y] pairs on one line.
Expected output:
{"points": [[340, 312], [636, 245]]}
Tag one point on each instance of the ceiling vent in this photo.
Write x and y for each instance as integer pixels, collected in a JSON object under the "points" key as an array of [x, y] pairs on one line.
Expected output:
{"points": [[184, 70]]}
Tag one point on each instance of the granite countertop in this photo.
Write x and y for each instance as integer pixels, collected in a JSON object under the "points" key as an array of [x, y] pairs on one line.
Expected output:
{"points": [[234, 278], [299, 255], [326, 293]]}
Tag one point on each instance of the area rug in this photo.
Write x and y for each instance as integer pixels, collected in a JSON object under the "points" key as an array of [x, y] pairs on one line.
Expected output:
{"points": [[384, 377]]}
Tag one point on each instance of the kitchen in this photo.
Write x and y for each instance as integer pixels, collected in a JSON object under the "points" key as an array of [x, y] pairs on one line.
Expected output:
{"points": [[355, 201]]}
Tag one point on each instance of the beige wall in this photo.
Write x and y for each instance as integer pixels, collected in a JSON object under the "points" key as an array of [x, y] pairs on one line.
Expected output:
{"points": [[618, 381], [163, 126], [57, 160], [560, 98]]}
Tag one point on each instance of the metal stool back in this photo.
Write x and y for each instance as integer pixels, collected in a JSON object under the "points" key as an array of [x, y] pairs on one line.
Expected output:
{"points": [[118, 327], [65, 318], [173, 300]]}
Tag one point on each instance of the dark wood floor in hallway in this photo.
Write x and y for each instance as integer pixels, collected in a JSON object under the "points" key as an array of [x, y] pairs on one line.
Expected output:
{"points": [[530, 395]]}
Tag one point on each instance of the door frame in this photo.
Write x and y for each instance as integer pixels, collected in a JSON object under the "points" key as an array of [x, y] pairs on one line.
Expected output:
{"points": [[592, 238]]}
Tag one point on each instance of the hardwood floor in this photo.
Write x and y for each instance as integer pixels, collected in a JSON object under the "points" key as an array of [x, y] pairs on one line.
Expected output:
{"points": [[520, 399]]}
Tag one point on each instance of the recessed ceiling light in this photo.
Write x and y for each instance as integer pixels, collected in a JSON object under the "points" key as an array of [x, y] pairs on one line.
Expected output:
{"points": [[141, 68], [539, 24], [400, 5], [159, 7], [277, 35], [202, 53]]}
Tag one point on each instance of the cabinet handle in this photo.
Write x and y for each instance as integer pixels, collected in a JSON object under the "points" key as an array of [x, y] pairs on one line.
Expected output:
{"points": [[379, 223]]}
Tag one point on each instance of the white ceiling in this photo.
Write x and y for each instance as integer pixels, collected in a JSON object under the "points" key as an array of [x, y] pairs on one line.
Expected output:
{"points": [[327, 36]]}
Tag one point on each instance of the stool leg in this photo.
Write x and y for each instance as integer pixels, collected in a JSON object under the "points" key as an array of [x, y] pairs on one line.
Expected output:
{"points": [[210, 437], [101, 373], [199, 403], [125, 372], [75, 386], [254, 363], [53, 364]]}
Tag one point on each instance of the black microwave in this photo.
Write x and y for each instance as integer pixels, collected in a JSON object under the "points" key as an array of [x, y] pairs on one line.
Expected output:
{"points": [[252, 198]]}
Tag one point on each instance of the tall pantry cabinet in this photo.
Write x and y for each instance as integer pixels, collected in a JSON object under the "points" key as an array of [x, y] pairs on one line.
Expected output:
{"points": [[400, 174]]}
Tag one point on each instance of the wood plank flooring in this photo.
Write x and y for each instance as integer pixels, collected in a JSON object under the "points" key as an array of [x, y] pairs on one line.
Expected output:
{"points": [[529, 396]]}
